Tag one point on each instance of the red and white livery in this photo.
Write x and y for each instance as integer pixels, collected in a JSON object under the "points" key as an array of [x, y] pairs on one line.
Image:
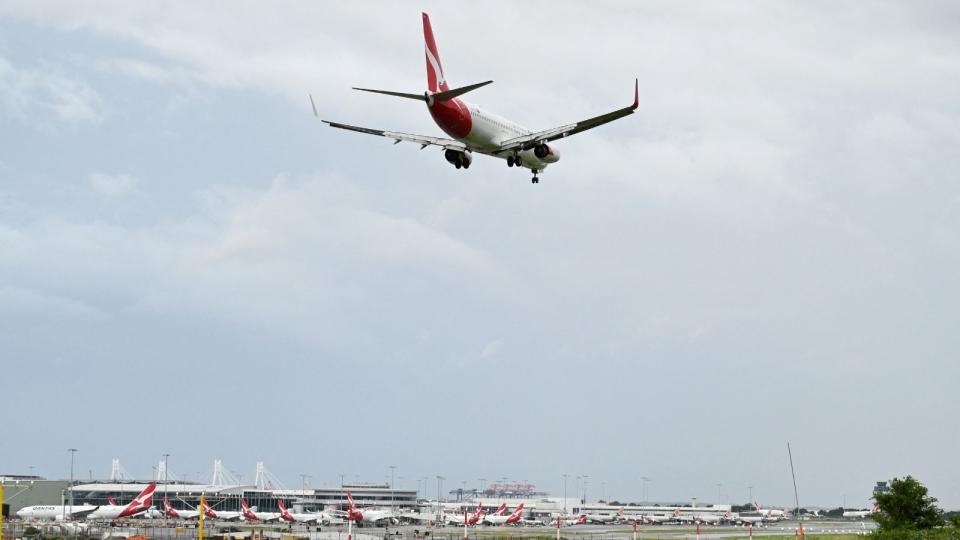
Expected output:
{"points": [[474, 130], [142, 503]]}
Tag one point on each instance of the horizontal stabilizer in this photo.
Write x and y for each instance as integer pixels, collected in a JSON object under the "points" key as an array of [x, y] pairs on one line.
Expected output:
{"points": [[419, 97], [450, 94], [439, 96]]}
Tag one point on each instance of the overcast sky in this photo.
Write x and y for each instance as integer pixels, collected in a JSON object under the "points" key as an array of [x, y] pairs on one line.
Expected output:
{"points": [[768, 251]]}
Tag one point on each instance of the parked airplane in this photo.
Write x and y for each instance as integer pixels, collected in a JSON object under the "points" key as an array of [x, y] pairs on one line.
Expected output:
{"points": [[500, 509], [172, 512], [475, 517], [605, 518], [744, 520], [770, 513], [371, 517], [707, 518], [505, 520], [475, 130], [140, 504], [575, 520], [318, 518], [249, 514], [221, 515], [654, 519]]}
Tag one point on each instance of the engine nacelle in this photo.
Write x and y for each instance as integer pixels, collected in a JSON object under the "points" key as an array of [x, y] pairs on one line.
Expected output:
{"points": [[546, 154], [458, 158]]}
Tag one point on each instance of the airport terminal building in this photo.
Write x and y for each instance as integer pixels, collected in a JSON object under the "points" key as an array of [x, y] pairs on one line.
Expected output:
{"points": [[227, 497]]}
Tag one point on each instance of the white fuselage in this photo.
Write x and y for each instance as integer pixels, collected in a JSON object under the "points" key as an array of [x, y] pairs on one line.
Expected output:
{"points": [[66, 513], [856, 513], [489, 130], [50, 512]]}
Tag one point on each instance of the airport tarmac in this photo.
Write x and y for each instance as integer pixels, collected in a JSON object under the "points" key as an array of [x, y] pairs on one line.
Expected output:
{"points": [[417, 532]]}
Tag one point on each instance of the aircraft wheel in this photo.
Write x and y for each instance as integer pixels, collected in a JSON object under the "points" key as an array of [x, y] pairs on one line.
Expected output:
{"points": [[458, 164], [466, 164], [517, 162], [509, 161]]}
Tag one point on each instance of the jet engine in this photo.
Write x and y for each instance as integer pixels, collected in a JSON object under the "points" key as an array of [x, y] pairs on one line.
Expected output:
{"points": [[545, 153], [458, 158]]}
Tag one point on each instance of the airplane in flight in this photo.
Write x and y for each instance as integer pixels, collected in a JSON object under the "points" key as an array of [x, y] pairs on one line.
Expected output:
{"points": [[139, 505], [505, 520], [474, 130]]}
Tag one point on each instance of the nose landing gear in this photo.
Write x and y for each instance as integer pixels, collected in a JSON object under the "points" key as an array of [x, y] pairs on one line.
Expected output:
{"points": [[535, 179]]}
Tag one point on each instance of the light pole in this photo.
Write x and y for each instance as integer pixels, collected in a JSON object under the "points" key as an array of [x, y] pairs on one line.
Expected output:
{"points": [[751, 494], [440, 480], [392, 469], [73, 452], [166, 469], [483, 486], [644, 479], [564, 475], [586, 481], [719, 493]]}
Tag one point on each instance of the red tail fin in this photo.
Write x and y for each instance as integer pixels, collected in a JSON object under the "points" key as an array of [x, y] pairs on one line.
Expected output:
{"points": [[436, 82], [141, 502], [350, 499]]}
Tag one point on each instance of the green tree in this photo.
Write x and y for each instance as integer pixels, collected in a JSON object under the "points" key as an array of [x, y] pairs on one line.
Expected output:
{"points": [[907, 506]]}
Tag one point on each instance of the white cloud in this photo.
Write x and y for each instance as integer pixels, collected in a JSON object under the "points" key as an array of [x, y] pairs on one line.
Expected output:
{"points": [[112, 185], [34, 94], [491, 349]]}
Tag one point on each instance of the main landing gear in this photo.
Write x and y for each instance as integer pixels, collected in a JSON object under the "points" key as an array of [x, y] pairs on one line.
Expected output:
{"points": [[515, 161]]}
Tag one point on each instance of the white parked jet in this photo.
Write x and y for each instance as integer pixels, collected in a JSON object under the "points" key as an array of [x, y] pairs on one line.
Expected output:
{"points": [[172, 512], [140, 504], [318, 518], [504, 520], [370, 517], [773, 514], [249, 514]]}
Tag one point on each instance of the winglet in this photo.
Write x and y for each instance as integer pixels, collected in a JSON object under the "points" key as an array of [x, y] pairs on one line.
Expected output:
{"points": [[313, 106], [636, 94]]}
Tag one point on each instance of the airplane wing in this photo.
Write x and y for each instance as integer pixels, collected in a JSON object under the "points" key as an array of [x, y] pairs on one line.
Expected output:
{"points": [[423, 140], [80, 514], [527, 142]]}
